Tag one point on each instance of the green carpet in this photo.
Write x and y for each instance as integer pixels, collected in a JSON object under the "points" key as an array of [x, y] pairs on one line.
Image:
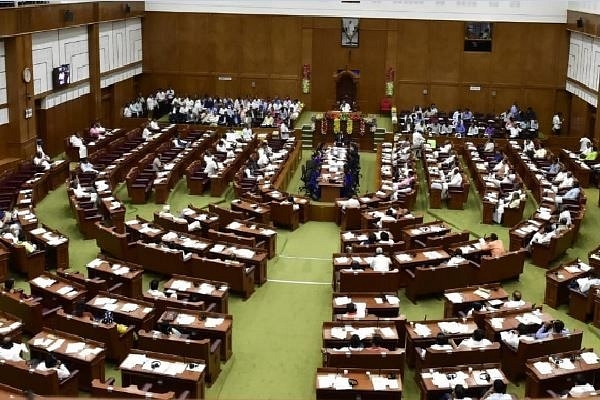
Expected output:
{"points": [[277, 332]]}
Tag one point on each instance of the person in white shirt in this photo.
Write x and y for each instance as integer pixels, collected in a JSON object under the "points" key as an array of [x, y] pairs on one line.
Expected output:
{"points": [[211, 167], [556, 123], [455, 180], [86, 166], [417, 142], [380, 262], [157, 165], [39, 147], [516, 300], [284, 132], [476, 340], [40, 161], [153, 291], [77, 141], [581, 388], [51, 363], [489, 146], [497, 391], [11, 351], [146, 133], [352, 202], [540, 152], [584, 143]]}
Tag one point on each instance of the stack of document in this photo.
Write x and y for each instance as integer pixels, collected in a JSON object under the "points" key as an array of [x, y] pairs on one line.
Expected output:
{"points": [[543, 367], [94, 263], [342, 300], [206, 288], [43, 282], [529, 319], [393, 300], [185, 319], [403, 257], [454, 297], [213, 322], [181, 285], [589, 358], [422, 330], [129, 307], [453, 327]]}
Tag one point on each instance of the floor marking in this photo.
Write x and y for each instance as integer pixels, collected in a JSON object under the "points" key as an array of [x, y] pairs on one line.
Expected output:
{"points": [[305, 258], [299, 282]]}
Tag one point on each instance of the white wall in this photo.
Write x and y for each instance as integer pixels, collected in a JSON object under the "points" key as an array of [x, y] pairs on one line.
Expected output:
{"points": [[52, 48], [120, 44], [583, 70], [462, 10]]}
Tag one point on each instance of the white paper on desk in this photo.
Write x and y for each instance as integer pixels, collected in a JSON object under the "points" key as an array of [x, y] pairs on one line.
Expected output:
{"points": [[403, 257], [572, 269], [529, 319], [129, 307], [432, 255], [64, 290], [589, 357], [325, 381], [342, 300], [43, 282], [565, 363], [94, 263], [422, 330], [75, 347], [175, 368], [218, 248], [497, 323], [244, 253], [109, 306], [364, 333], [132, 222], [17, 324], [268, 232], [38, 231], [357, 259], [543, 367], [393, 384], [440, 380], [379, 382], [341, 260], [206, 288], [185, 319], [378, 300], [72, 293], [100, 301], [584, 267], [393, 300], [121, 271], [362, 237], [56, 345], [213, 322], [39, 342], [338, 333], [495, 302], [387, 332], [181, 285], [234, 225], [453, 327], [454, 297], [341, 383], [348, 235]]}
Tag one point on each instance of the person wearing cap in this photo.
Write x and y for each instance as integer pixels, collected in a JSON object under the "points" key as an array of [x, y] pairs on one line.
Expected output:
{"points": [[380, 262]]}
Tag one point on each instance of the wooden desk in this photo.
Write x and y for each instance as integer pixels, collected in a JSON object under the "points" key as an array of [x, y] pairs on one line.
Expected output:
{"points": [[330, 191], [434, 383], [421, 232], [105, 390], [260, 212], [207, 291], [21, 375], [368, 328], [367, 358], [10, 326], [75, 352], [137, 369], [56, 291], [558, 280], [457, 355], [4, 257], [363, 389], [55, 244], [259, 232], [255, 257], [560, 378], [27, 308], [117, 271], [375, 303], [510, 321], [142, 315], [199, 324], [462, 299], [423, 334]]}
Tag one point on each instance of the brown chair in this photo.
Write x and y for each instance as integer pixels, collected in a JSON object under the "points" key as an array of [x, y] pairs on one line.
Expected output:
{"points": [[497, 269], [284, 215]]}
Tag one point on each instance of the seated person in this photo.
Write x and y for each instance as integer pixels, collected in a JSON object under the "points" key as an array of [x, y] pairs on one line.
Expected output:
{"points": [[221, 146], [352, 202], [476, 340], [494, 245], [157, 165], [376, 344], [9, 285], [593, 154], [489, 146], [477, 306], [179, 143], [355, 343], [497, 391], [513, 337], [153, 291], [582, 388], [380, 262], [51, 363], [550, 328], [571, 194], [584, 284], [515, 300], [290, 200], [284, 132], [455, 179], [79, 311], [441, 342], [542, 236], [146, 133], [153, 125], [12, 351], [211, 167], [457, 258], [41, 161], [460, 393], [384, 238], [86, 166], [268, 121]]}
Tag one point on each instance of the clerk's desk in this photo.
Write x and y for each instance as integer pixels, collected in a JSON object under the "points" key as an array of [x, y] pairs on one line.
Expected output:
{"points": [[562, 368], [510, 320], [203, 349], [118, 271], [142, 317], [211, 292], [260, 232], [372, 327], [198, 327], [363, 389], [28, 309], [558, 280], [415, 338], [513, 360], [457, 355], [56, 291], [367, 358], [117, 345], [137, 369], [380, 304], [88, 357], [54, 243], [461, 300], [434, 383], [108, 390]]}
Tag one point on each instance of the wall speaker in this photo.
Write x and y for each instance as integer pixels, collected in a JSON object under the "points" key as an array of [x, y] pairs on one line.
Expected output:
{"points": [[69, 16], [580, 23]]}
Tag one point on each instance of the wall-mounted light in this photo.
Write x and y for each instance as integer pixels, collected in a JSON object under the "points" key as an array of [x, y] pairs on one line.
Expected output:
{"points": [[424, 91]]}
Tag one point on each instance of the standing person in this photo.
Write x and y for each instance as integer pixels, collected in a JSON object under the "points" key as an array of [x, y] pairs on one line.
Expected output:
{"points": [[557, 123]]}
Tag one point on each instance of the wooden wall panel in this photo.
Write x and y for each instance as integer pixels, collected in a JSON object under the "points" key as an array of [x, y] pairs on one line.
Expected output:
{"points": [[475, 100], [252, 59], [445, 50], [193, 51], [476, 67], [412, 49], [446, 97], [285, 42], [225, 35], [409, 94], [578, 124], [160, 52], [507, 52]]}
